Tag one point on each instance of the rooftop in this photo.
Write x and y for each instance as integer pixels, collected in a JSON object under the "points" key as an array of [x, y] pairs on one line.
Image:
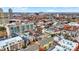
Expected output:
{"points": [[7, 41]]}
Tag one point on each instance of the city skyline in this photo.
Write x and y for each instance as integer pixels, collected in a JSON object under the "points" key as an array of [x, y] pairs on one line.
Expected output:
{"points": [[42, 9]]}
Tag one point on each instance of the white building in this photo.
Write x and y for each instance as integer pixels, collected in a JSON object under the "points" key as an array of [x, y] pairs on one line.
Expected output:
{"points": [[74, 24], [11, 44], [59, 48], [18, 28], [68, 44]]}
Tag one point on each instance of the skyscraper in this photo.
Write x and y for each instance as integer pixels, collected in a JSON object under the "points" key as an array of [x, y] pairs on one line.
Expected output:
{"points": [[1, 16], [10, 13], [1, 11]]}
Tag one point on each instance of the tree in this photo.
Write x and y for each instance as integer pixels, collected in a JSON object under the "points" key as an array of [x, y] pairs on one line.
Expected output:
{"points": [[2, 28]]}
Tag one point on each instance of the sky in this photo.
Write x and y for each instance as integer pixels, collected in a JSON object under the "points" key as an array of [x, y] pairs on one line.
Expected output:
{"points": [[42, 9]]}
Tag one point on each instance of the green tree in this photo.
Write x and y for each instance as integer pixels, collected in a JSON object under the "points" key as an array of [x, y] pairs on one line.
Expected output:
{"points": [[2, 28]]}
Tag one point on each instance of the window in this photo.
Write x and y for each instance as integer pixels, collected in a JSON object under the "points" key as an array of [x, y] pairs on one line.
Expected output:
{"points": [[58, 50], [10, 43], [11, 47], [67, 42], [7, 49], [27, 26], [13, 29], [23, 28], [31, 26], [70, 43], [17, 29], [64, 49]]}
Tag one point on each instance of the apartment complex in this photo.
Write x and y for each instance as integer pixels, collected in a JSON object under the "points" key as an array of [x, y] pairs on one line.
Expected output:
{"points": [[19, 28]]}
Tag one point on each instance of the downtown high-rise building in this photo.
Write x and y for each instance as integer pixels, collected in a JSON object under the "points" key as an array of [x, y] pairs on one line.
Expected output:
{"points": [[10, 13], [1, 16]]}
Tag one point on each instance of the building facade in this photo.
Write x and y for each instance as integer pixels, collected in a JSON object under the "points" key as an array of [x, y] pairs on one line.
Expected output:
{"points": [[11, 44], [10, 13], [1, 16], [13, 28]]}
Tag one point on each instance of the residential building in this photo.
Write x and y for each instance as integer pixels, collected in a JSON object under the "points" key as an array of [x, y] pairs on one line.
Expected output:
{"points": [[18, 28], [59, 48], [11, 44], [68, 44]]}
